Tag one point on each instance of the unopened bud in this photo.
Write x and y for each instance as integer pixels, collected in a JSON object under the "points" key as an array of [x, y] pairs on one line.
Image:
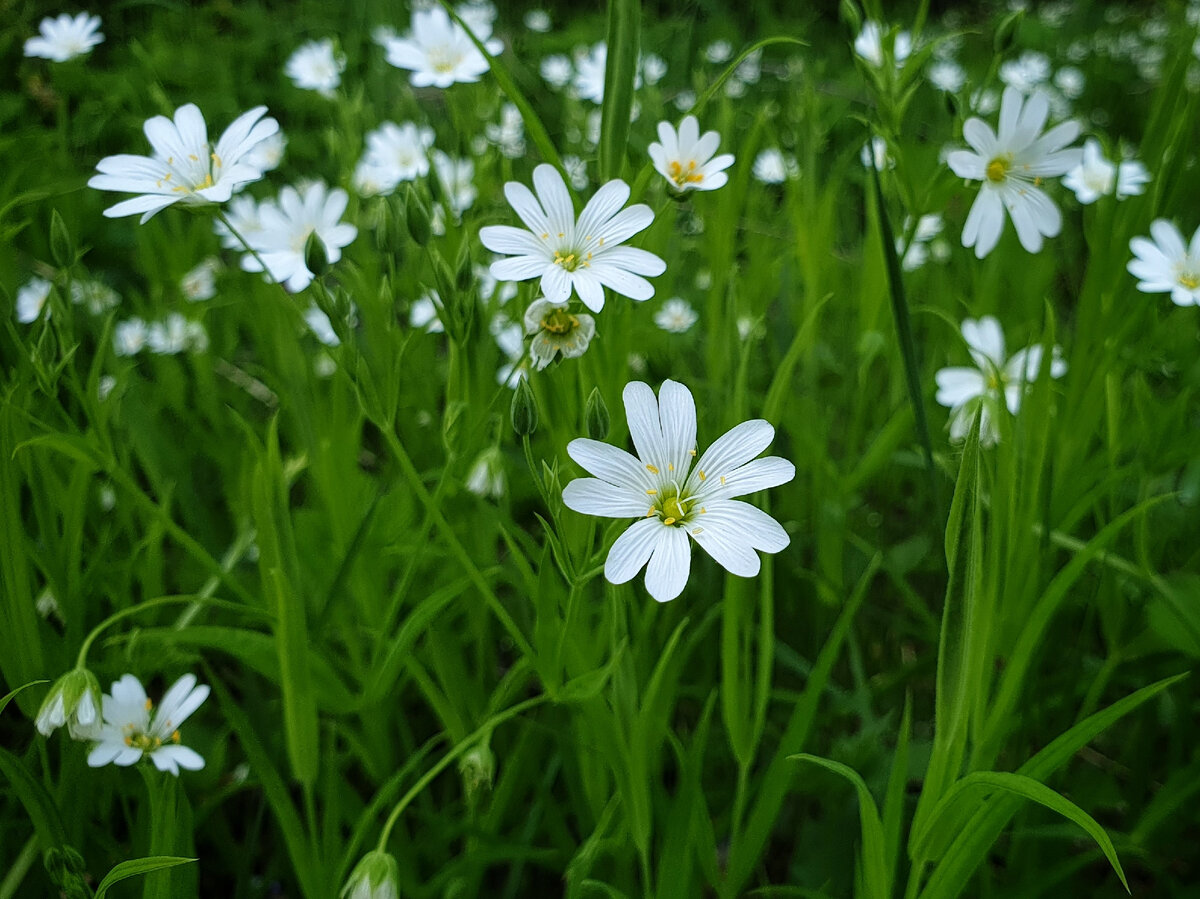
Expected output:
{"points": [[850, 15], [524, 409], [377, 876], [416, 216], [595, 415], [61, 248], [316, 260], [73, 700], [477, 767], [1006, 31], [453, 423]]}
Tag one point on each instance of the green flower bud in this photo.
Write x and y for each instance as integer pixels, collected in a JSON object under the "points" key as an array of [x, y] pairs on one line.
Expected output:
{"points": [[464, 269], [74, 700], [595, 415], [1006, 31], [477, 767], [850, 15], [453, 423], [316, 260], [524, 409], [62, 249], [416, 216], [377, 876]]}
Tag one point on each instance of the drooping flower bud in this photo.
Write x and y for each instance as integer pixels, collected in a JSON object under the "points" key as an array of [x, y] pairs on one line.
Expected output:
{"points": [[377, 876], [74, 700]]}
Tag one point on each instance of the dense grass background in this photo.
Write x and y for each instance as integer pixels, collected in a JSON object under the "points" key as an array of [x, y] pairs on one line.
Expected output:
{"points": [[385, 633]]}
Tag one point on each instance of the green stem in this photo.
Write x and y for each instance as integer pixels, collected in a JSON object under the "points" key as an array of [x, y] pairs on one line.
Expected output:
{"points": [[456, 547], [19, 868], [466, 744]]}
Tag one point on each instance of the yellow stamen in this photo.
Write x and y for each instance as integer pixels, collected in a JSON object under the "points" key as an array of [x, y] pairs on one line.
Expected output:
{"points": [[722, 480], [697, 530], [668, 521], [997, 169], [651, 493], [651, 469], [692, 453], [1189, 280], [703, 476]]}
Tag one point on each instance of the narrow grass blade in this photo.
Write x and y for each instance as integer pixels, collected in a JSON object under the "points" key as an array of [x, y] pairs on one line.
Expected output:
{"points": [[136, 867], [620, 72]]}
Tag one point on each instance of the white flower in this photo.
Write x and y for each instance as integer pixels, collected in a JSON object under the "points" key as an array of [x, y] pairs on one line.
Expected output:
{"points": [[65, 37], [576, 169], [242, 214], [685, 158], [749, 70], [1166, 265], [316, 67], [486, 477], [685, 100], [185, 167], [869, 45], [176, 334], [875, 154], [583, 256], [676, 316], [1095, 176], [268, 153], [995, 382], [1011, 166], [772, 167], [320, 325], [456, 177], [1026, 73], [1070, 81], [673, 500], [439, 52], [556, 70], [984, 101], [589, 73], [376, 876], [555, 330], [509, 134], [31, 299], [131, 732], [947, 75], [129, 337], [286, 226], [97, 296], [73, 700], [537, 20], [395, 153], [424, 313], [653, 67], [718, 51], [201, 282]]}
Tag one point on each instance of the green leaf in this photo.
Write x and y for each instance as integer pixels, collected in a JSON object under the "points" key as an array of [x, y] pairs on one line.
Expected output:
{"points": [[874, 864], [964, 799], [8, 697], [39, 805], [620, 73], [136, 867]]}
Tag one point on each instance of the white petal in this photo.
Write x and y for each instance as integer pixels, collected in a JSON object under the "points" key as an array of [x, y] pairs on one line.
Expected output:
{"points": [[984, 223], [677, 417], [601, 208], [956, 385], [591, 496], [510, 240], [985, 338], [732, 450], [633, 549], [641, 413], [1034, 215], [750, 523], [610, 463], [668, 569], [173, 757], [758, 474], [555, 199]]}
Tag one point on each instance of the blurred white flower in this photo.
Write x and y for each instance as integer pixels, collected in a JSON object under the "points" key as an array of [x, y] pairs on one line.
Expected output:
{"points": [[480, 15], [995, 382], [1010, 167], [718, 51], [869, 45], [985, 101], [74, 699], [683, 501], [771, 166], [576, 170], [589, 72], [318, 322], [676, 316], [509, 134], [315, 66], [134, 730], [130, 336], [423, 313], [947, 75], [201, 282], [185, 167], [749, 70], [685, 100], [510, 338], [286, 226], [31, 299], [457, 180], [1166, 264], [376, 876], [96, 296], [556, 70], [65, 37], [1027, 72], [486, 477], [654, 68], [537, 20], [1095, 176], [439, 52], [574, 256], [875, 153], [685, 158], [242, 214], [176, 334], [489, 287], [555, 330], [1070, 81], [395, 153]]}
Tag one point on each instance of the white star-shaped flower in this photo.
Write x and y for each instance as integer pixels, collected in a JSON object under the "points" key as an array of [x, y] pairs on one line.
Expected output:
{"points": [[1166, 264], [996, 380], [1095, 176], [65, 37], [316, 67], [685, 158], [285, 229], [674, 499], [1011, 167], [583, 256], [133, 729], [439, 52], [185, 167]]}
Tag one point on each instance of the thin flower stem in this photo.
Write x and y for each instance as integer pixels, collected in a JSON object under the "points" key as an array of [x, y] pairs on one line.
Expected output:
{"points": [[456, 547], [469, 742], [224, 219]]}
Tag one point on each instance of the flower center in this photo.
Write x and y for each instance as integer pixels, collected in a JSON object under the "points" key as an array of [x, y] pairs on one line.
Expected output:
{"points": [[998, 168], [572, 260], [682, 174], [444, 59], [1190, 280], [559, 321], [670, 506]]}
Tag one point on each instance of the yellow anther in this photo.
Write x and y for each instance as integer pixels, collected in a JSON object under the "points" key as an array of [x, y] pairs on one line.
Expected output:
{"points": [[670, 466], [600, 242], [651, 469], [1189, 280], [997, 169], [651, 493], [668, 521], [193, 157], [546, 235], [703, 476], [703, 511], [722, 480], [650, 514], [697, 530], [149, 705], [692, 453], [175, 737], [560, 234]]}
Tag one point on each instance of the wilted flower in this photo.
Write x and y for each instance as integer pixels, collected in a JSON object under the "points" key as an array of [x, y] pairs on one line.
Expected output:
{"points": [[583, 256], [685, 158], [65, 37], [1011, 167], [316, 67], [1166, 264], [73, 700], [439, 52], [132, 728], [684, 501], [555, 330], [185, 167], [996, 382]]}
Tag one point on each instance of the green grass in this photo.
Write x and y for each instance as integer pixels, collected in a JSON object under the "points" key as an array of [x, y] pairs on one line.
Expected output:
{"points": [[398, 663]]}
